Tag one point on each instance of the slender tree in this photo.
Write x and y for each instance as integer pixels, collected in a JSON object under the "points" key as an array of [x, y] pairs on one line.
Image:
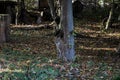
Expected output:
{"points": [[52, 8], [64, 36], [108, 23]]}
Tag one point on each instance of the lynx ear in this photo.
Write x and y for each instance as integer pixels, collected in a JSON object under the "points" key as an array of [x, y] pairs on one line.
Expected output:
{"points": [[57, 20], [59, 33]]}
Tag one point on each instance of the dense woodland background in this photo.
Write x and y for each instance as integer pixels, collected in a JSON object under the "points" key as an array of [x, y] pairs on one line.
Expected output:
{"points": [[30, 34]]}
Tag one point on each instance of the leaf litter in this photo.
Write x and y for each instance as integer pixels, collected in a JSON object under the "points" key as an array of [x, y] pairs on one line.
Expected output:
{"points": [[31, 54]]}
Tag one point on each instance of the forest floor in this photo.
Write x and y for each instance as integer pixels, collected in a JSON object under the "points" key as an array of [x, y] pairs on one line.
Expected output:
{"points": [[31, 54]]}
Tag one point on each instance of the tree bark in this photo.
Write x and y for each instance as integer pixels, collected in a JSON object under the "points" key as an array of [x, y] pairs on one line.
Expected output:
{"points": [[52, 8], [109, 21], [67, 25], [17, 12], [64, 39], [4, 28]]}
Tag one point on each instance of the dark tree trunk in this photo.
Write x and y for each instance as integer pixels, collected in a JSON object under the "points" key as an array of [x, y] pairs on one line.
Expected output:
{"points": [[16, 16], [9, 11], [52, 8], [23, 13], [4, 28], [17, 13]]}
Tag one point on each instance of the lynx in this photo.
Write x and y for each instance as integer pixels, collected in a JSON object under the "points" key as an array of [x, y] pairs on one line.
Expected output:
{"points": [[60, 48]]}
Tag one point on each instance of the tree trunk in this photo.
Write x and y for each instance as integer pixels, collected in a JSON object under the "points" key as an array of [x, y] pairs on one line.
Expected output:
{"points": [[9, 11], [23, 18], [109, 21], [17, 13], [16, 16], [64, 35], [67, 25], [55, 15], [4, 28], [52, 8]]}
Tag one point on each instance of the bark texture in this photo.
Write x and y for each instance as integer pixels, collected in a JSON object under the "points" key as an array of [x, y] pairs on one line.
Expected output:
{"points": [[4, 28], [67, 25]]}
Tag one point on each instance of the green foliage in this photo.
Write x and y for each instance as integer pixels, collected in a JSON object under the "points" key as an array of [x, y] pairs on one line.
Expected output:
{"points": [[74, 33], [116, 77], [14, 76], [30, 4], [11, 51], [36, 73], [46, 73], [90, 64], [31, 70], [102, 74]]}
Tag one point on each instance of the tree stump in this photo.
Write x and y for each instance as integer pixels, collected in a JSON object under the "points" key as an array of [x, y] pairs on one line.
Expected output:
{"points": [[4, 27]]}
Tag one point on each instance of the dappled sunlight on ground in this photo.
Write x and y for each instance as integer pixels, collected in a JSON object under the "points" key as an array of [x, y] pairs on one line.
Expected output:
{"points": [[31, 53], [92, 48]]}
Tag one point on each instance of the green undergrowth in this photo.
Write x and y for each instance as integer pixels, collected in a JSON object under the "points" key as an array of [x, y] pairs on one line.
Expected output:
{"points": [[19, 65], [31, 55]]}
